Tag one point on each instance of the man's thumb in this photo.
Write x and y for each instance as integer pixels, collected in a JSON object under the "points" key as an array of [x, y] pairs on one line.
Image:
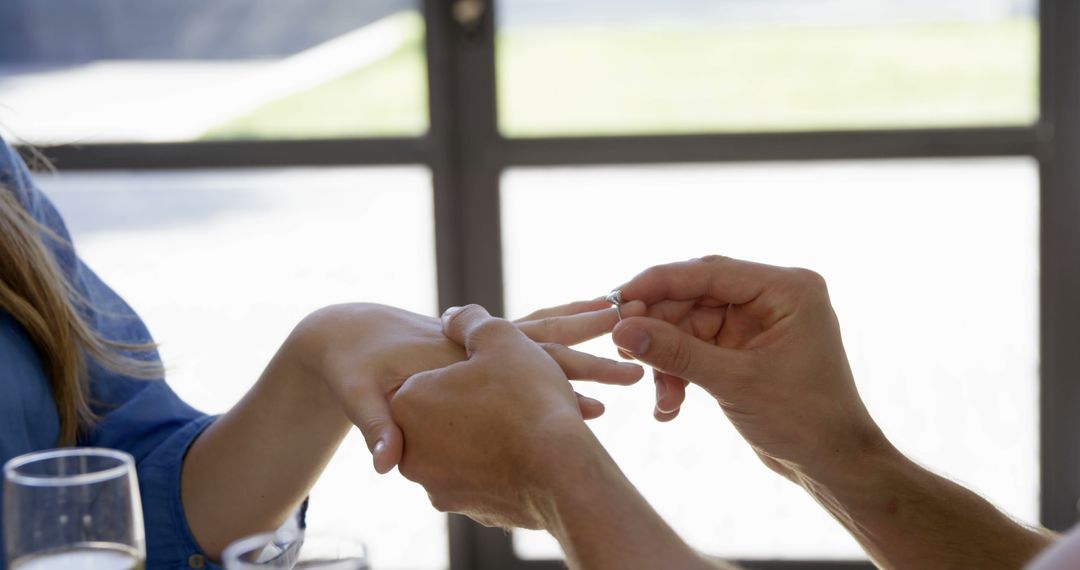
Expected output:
{"points": [[668, 349]]}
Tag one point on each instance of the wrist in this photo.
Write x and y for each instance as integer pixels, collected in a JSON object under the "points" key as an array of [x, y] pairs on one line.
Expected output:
{"points": [[855, 482], [600, 519], [567, 475], [860, 453], [303, 360]]}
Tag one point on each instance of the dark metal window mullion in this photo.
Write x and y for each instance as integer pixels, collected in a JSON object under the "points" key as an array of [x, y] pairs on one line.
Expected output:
{"points": [[236, 154], [775, 146], [1059, 235], [465, 176]]}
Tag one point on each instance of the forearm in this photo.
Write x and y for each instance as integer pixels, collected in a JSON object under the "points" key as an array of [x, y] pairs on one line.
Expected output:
{"points": [[602, 522], [907, 517], [252, 468]]}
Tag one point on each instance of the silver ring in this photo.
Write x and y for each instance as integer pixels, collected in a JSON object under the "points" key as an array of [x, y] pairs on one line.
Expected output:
{"points": [[615, 298]]}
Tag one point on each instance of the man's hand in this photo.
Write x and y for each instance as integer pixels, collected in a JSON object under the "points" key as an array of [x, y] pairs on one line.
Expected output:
{"points": [[499, 439], [484, 436], [364, 352], [765, 342]]}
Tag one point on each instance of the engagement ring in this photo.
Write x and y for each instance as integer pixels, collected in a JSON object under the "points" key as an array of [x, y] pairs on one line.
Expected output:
{"points": [[615, 298]]}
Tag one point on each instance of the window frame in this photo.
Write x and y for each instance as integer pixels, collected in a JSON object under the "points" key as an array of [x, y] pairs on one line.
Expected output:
{"points": [[467, 155]]}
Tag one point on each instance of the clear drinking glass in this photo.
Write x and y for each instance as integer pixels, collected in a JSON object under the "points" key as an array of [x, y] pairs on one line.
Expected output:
{"points": [[296, 551], [73, 509]]}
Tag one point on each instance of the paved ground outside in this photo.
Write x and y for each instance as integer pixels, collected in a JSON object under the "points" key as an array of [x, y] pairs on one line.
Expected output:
{"points": [[148, 101]]}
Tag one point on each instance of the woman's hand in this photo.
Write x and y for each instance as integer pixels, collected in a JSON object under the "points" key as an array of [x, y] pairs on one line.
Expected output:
{"points": [[494, 466], [528, 461], [364, 352]]}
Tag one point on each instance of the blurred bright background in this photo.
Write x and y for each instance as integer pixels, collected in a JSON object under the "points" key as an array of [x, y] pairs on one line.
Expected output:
{"points": [[332, 68], [932, 264]]}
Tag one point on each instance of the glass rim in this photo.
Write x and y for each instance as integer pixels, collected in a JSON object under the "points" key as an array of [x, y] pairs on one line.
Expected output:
{"points": [[11, 468], [234, 552], [232, 555]]}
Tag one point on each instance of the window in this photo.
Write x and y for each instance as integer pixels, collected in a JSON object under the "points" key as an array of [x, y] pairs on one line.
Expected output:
{"points": [[932, 137], [225, 263], [567, 68], [77, 72], [911, 290]]}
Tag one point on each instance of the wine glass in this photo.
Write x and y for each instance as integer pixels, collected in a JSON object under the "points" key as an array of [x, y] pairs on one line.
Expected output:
{"points": [[296, 550], [75, 508]]}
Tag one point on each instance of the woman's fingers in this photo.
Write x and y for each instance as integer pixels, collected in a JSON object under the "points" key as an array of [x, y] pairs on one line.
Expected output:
{"points": [[566, 310], [578, 328], [369, 409], [591, 408], [582, 366]]}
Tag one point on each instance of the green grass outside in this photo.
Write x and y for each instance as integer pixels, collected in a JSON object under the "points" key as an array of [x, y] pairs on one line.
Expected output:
{"points": [[620, 81], [387, 98]]}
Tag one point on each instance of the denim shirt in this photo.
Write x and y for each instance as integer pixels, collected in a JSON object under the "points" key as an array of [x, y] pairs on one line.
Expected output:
{"points": [[142, 417]]}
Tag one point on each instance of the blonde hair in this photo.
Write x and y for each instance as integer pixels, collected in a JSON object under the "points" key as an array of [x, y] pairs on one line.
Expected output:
{"points": [[36, 293]]}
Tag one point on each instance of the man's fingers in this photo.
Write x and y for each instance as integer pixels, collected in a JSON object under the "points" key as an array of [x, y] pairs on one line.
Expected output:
{"points": [[582, 366], [670, 350], [580, 327], [665, 417], [566, 310], [370, 412], [472, 327], [590, 408], [714, 276], [721, 280], [670, 392]]}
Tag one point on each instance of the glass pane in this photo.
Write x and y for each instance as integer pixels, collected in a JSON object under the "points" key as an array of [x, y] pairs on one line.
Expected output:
{"points": [[130, 70], [932, 267], [609, 67], [252, 252]]}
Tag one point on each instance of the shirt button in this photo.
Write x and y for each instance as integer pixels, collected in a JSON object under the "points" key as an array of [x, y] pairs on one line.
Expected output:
{"points": [[196, 561]]}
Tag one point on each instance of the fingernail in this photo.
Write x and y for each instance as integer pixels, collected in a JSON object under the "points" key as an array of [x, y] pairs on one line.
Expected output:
{"points": [[661, 389], [633, 340], [450, 312], [378, 449]]}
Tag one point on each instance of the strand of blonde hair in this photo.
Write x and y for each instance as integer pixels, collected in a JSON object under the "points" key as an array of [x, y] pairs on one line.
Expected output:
{"points": [[36, 293]]}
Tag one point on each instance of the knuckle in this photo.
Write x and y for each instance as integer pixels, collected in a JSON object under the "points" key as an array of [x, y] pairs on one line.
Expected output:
{"points": [[372, 424], [651, 274], [809, 278], [712, 259], [407, 469], [440, 503], [808, 284], [493, 328], [543, 329], [554, 348], [464, 313], [549, 324], [679, 357]]}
